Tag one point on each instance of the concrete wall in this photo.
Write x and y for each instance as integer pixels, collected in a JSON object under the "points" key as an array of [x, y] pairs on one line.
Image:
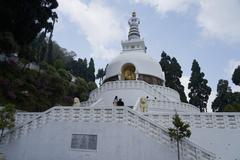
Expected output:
{"points": [[116, 141], [223, 142]]}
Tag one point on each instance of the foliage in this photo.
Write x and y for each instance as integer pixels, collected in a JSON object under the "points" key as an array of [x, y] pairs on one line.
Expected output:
{"points": [[7, 43], [236, 76], [91, 71], [224, 96], [58, 64], [32, 90], [26, 20], [100, 75], [7, 117], [91, 86], [199, 90], [173, 73], [235, 107], [179, 131]]}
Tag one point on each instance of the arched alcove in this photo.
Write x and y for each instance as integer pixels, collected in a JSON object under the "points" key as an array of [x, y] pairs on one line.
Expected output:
{"points": [[128, 72]]}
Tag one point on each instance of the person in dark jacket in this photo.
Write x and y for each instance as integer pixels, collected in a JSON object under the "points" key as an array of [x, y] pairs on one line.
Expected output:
{"points": [[120, 102]]}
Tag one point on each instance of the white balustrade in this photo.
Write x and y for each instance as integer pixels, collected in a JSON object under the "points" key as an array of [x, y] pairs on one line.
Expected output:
{"points": [[22, 117], [167, 91], [95, 94], [111, 114], [155, 105], [224, 120]]}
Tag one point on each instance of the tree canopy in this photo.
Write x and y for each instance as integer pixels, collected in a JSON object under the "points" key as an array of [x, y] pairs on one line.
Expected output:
{"points": [[236, 76], [22, 20], [224, 95], [199, 90], [173, 73]]}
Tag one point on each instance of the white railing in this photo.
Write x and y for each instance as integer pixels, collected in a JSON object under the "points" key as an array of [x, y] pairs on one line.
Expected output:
{"points": [[167, 91], [155, 105], [200, 120], [87, 103], [134, 84], [110, 114], [23, 117]]}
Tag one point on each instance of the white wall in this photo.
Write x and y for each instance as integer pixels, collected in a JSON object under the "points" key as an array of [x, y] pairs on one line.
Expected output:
{"points": [[116, 141], [225, 143]]}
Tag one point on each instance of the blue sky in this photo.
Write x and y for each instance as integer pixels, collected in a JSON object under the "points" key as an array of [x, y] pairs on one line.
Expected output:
{"points": [[205, 30]]}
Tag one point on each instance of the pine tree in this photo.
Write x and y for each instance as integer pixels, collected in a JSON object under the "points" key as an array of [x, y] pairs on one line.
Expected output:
{"points": [[100, 75], [236, 76], [173, 73], [224, 96], [91, 71], [179, 131], [199, 90]]}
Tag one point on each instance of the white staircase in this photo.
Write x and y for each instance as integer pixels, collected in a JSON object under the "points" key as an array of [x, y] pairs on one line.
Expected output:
{"points": [[107, 115]]}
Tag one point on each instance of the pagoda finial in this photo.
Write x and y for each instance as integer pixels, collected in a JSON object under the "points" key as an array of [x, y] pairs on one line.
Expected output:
{"points": [[133, 23]]}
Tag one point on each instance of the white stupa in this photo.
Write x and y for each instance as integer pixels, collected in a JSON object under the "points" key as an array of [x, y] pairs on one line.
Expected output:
{"points": [[100, 130]]}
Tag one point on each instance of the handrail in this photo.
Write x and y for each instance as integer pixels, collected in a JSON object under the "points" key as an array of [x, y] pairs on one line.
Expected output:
{"points": [[126, 84], [223, 120], [171, 105], [167, 91], [109, 114]]}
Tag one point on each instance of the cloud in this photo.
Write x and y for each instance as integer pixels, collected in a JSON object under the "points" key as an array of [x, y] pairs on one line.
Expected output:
{"points": [[210, 100], [218, 19], [98, 22], [185, 80], [231, 66], [164, 6]]}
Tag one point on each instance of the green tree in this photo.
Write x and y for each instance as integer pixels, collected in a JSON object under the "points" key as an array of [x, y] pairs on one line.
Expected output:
{"points": [[236, 76], [199, 90], [179, 131], [26, 18], [224, 96], [91, 71], [91, 86], [235, 107], [82, 90], [173, 73], [58, 64], [7, 118], [100, 75], [7, 43]]}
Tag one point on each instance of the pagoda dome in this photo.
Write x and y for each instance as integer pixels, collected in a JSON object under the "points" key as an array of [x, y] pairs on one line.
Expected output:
{"points": [[142, 64], [134, 63]]}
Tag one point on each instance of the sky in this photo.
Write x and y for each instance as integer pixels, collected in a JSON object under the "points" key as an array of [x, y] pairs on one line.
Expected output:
{"points": [[205, 30]]}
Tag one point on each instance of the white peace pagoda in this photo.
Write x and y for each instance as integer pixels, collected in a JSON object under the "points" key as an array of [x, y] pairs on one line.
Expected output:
{"points": [[99, 130]]}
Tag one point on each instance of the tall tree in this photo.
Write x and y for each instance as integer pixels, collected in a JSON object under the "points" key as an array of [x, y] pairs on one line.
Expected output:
{"points": [[91, 71], [24, 19], [224, 96], [199, 90], [179, 131], [100, 75], [236, 76], [173, 73]]}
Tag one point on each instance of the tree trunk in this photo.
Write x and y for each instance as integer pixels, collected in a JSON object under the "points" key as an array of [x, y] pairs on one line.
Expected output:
{"points": [[2, 130], [178, 149]]}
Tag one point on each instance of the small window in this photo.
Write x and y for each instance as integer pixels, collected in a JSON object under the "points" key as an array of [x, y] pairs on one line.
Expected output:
{"points": [[84, 141]]}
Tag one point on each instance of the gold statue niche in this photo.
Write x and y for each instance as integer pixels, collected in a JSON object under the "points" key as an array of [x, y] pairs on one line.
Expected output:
{"points": [[128, 72]]}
